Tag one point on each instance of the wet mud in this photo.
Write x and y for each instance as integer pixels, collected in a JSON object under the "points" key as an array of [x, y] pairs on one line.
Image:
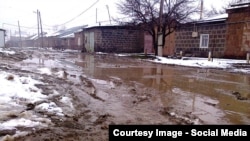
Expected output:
{"points": [[107, 89]]}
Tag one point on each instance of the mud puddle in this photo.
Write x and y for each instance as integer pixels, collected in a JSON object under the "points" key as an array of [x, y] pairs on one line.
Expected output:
{"points": [[212, 96]]}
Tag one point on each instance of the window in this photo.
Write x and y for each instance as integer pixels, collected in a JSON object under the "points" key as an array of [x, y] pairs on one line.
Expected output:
{"points": [[204, 40]]}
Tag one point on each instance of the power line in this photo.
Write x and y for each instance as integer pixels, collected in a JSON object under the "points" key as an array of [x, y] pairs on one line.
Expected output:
{"points": [[23, 26], [81, 13], [60, 24]]}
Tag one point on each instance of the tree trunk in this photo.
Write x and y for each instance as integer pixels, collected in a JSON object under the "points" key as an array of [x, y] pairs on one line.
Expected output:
{"points": [[155, 44]]}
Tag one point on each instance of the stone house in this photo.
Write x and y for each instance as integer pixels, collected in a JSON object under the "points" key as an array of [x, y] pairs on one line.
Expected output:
{"points": [[198, 38], [225, 36], [118, 39]]}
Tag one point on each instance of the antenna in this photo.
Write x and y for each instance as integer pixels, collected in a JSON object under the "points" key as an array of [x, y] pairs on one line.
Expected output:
{"points": [[96, 16]]}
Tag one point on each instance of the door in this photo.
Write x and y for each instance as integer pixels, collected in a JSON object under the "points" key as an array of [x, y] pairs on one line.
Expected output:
{"points": [[2, 38], [89, 41]]}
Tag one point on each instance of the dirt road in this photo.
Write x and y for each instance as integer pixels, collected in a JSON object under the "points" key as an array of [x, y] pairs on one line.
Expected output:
{"points": [[102, 94]]}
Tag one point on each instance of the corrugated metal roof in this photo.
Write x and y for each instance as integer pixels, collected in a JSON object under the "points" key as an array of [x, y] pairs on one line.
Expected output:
{"points": [[72, 35], [67, 32]]}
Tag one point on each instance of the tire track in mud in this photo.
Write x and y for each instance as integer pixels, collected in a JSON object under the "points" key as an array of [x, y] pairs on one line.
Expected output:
{"points": [[89, 87], [74, 124]]}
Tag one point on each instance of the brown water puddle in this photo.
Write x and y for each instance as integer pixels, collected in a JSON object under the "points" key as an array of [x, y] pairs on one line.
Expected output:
{"points": [[215, 96], [212, 95]]}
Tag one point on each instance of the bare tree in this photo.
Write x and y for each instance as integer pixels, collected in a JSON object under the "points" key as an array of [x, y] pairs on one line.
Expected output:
{"points": [[146, 15], [213, 11]]}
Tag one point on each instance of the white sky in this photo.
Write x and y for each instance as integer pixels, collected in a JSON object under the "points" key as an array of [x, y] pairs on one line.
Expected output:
{"points": [[58, 12]]}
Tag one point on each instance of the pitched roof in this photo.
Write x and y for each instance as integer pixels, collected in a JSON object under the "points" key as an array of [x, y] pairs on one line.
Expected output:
{"points": [[67, 32]]}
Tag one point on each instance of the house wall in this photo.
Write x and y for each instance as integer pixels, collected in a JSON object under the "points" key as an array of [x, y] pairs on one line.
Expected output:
{"points": [[112, 39], [79, 41], [238, 32], [2, 38], [191, 45], [28, 43], [68, 43], [148, 44], [169, 47]]}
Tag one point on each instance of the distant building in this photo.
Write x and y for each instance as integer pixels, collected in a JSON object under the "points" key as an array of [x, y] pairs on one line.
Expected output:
{"points": [[71, 38], [113, 39], [2, 38]]}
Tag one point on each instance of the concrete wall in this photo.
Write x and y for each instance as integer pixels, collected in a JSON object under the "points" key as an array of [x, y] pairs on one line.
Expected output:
{"points": [[191, 45]]}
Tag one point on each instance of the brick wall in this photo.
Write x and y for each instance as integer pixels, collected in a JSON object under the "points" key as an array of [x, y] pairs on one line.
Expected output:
{"points": [[191, 45]]}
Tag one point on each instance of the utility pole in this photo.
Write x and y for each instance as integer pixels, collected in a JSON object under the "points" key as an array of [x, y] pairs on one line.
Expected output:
{"points": [[96, 16], [109, 14], [160, 36], [41, 27], [20, 34], [38, 28], [201, 12]]}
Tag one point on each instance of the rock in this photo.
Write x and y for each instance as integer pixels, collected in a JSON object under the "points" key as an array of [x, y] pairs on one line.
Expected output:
{"points": [[7, 132], [30, 106], [10, 77], [239, 96]]}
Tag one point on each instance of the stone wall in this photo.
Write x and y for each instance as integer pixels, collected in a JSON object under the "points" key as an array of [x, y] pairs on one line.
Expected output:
{"points": [[238, 32], [191, 45], [117, 39]]}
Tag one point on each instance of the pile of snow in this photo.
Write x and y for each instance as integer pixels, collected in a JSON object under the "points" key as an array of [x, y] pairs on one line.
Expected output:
{"points": [[15, 88], [216, 63], [16, 93], [3, 50]]}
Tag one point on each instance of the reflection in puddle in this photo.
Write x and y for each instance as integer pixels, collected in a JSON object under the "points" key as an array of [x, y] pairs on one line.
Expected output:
{"points": [[198, 91]]}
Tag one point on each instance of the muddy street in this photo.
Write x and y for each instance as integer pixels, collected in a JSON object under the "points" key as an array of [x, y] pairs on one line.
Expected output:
{"points": [[214, 96], [96, 90]]}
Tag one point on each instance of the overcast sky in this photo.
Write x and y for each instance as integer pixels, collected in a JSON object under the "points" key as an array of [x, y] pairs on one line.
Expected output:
{"points": [[59, 12]]}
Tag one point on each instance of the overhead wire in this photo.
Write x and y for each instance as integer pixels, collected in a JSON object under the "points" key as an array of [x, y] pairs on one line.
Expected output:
{"points": [[24, 26], [62, 23], [80, 13]]}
